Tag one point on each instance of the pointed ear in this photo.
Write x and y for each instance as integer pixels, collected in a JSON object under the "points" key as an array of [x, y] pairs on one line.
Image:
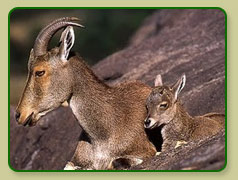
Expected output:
{"points": [[67, 41], [178, 86], [31, 58], [31, 54], [158, 81]]}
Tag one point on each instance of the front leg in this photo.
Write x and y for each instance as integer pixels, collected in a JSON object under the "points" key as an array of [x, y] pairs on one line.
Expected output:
{"points": [[81, 158]]}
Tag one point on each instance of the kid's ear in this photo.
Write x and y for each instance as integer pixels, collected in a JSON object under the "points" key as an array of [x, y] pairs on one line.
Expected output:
{"points": [[158, 81], [178, 86], [67, 41]]}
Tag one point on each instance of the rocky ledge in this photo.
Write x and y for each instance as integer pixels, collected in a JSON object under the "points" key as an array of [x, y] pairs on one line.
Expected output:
{"points": [[170, 42]]}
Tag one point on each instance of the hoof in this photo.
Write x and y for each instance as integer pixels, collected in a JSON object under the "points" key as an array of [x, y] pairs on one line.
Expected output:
{"points": [[70, 166], [157, 153], [180, 143], [137, 161]]}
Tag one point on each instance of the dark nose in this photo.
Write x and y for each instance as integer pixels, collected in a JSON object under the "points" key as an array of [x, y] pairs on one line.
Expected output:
{"points": [[147, 122], [17, 116]]}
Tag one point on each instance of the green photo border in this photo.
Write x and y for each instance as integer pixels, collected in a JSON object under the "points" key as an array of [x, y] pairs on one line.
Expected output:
{"points": [[225, 164]]}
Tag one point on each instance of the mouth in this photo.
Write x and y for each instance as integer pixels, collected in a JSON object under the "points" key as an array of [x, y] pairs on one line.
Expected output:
{"points": [[153, 126], [29, 121], [158, 125], [33, 118]]}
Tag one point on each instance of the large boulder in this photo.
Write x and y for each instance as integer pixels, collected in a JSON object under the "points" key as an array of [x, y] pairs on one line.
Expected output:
{"points": [[173, 42], [170, 42]]}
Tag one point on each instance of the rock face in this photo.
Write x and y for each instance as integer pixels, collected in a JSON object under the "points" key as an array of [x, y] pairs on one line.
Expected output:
{"points": [[197, 155], [49, 145], [170, 42]]}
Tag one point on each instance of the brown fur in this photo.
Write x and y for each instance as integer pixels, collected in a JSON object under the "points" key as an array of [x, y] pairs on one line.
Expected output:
{"points": [[177, 124], [183, 127], [112, 117]]}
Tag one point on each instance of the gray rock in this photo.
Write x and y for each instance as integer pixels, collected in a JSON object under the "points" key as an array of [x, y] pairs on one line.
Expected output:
{"points": [[170, 42], [199, 155], [48, 145]]}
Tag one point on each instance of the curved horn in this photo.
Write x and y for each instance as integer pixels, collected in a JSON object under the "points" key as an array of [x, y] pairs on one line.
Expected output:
{"points": [[43, 38]]}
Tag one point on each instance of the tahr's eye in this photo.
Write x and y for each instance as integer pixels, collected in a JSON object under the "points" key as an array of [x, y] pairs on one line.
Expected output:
{"points": [[39, 73], [161, 91], [163, 105]]}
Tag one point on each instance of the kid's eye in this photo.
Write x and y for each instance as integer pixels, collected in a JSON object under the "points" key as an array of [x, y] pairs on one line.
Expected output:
{"points": [[163, 105], [39, 73]]}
